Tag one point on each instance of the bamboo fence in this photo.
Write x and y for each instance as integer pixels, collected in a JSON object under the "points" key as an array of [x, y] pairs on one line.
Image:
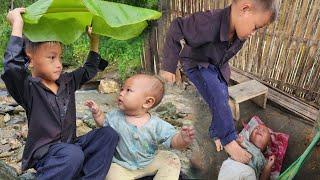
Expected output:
{"points": [[285, 55]]}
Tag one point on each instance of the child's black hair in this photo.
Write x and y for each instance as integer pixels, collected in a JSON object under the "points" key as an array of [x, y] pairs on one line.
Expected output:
{"points": [[33, 46], [268, 5]]}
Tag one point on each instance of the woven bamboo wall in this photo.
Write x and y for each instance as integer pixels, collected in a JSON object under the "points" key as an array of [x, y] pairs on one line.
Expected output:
{"points": [[286, 54]]}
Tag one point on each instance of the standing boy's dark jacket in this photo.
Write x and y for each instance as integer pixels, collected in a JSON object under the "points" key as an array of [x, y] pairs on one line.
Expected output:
{"points": [[51, 117], [206, 35]]}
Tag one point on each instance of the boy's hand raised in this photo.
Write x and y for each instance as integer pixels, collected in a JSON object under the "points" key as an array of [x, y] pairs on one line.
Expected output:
{"points": [[15, 19], [94, 40]]}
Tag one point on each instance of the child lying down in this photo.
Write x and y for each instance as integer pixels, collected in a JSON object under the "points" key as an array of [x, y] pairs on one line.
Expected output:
{"points": [[258, 167]]}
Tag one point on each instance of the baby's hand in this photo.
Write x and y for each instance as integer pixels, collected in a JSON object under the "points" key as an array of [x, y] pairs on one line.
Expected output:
{"points": [[187, 134], [94, 108], [94, 40], [271, 161]]}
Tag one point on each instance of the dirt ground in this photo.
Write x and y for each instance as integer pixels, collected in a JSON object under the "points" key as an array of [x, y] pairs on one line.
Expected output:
{"points": [[276, 118]]}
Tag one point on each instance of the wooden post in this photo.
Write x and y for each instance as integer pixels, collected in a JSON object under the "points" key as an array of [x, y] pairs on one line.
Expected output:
{"points": [[147, 53], [11, 7], [153, 48]]}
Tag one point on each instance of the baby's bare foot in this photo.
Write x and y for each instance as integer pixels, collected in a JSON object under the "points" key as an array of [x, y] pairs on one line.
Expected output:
{"points": [[219, 146], [237, 153]]}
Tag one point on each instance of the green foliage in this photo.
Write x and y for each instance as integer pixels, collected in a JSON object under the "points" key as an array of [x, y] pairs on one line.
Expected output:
{"points": [[152, 4], [125, 55], [4, 35], [46, 20], [75, 54]]}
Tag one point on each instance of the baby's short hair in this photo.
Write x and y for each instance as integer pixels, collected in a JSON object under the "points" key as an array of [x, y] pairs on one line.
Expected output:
{"points": [[268, 5], [156, 88], [160, 90]]}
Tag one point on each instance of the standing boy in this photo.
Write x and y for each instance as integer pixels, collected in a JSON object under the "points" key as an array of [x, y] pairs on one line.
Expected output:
{"points": [[204, 42]]}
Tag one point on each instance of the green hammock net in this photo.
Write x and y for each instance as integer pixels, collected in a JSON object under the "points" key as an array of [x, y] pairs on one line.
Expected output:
{"points": [[296, 165]]}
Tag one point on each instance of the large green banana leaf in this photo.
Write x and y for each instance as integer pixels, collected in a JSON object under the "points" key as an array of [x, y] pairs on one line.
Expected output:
{"points": [[66, 20]]}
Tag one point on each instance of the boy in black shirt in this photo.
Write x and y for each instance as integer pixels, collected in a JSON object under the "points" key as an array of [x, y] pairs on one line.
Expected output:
{"points": [[204, 42], [48, 97]]}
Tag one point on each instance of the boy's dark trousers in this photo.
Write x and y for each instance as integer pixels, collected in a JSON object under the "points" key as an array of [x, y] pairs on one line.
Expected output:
{"points": [[214, 90], [88, 158]]}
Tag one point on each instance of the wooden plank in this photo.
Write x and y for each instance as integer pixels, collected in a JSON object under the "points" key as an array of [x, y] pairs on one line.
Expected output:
{"points": [[247, 90], [287, 101], [261, 100], [234, 109], [239, 78]]}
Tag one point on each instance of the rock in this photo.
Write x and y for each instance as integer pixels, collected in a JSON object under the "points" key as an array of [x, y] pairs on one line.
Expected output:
{"points": [[16, 120], [14, 144], [7, 132], [82, 130], [4, 141], [90, 123], [24, 131], [79, 123], [107, 86], [29, 175], [168, 112], [18, 109], [5, 108], [7, 172], [6, 154], [6, 118], [16, 167], [80, 114], [19, 154], [7, 100], [2, 85], [2, 123], [166, 108], [4, 148], [179, 100]]}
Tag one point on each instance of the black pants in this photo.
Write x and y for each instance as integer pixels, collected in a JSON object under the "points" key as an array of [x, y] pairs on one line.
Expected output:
{"points": [[88, 158]]}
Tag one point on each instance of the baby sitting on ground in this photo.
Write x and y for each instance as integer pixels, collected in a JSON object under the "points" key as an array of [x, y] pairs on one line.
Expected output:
{"points": [[141, 133], [255, 143]]}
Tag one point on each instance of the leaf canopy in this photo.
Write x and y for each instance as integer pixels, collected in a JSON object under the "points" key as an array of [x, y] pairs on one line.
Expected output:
{"points": [[66, 20]]}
